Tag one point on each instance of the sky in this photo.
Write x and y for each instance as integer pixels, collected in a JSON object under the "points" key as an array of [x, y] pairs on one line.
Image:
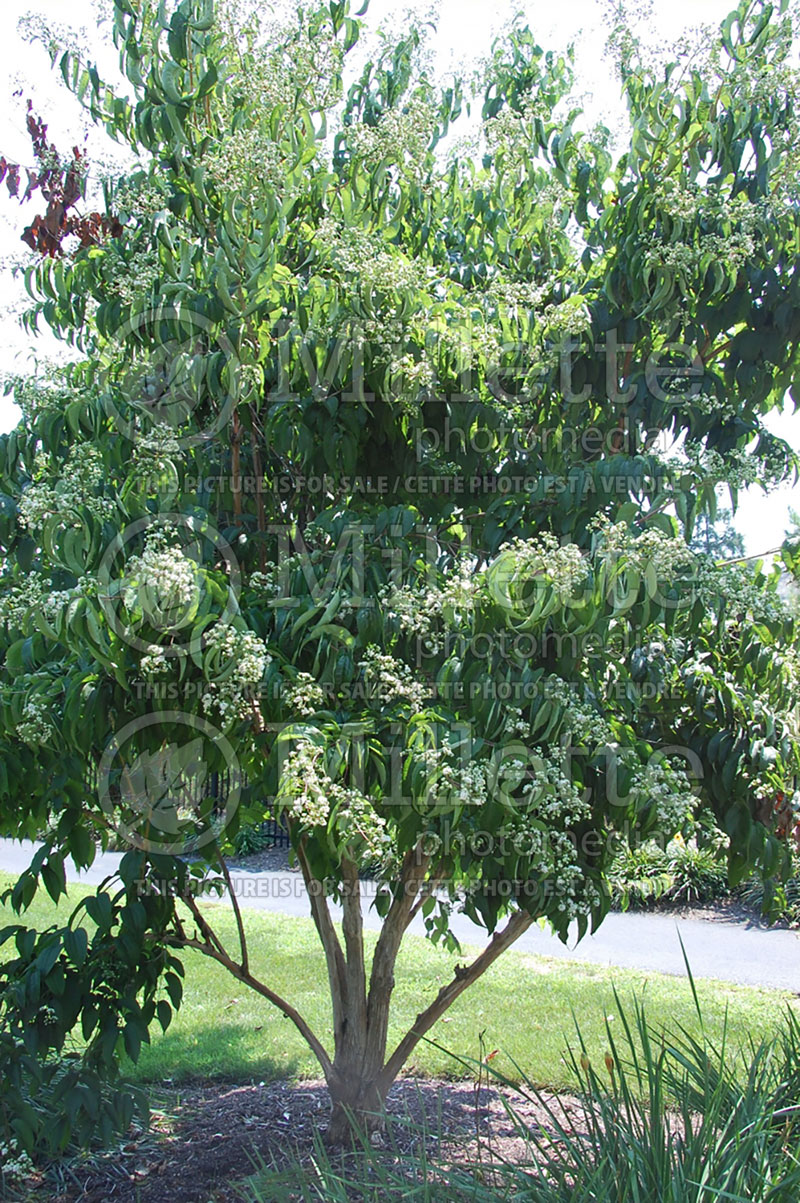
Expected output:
{"points": [[464, 32]]}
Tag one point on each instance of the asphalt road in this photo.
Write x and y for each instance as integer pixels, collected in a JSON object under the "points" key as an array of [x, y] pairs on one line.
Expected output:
{"points": [[744, 952]]}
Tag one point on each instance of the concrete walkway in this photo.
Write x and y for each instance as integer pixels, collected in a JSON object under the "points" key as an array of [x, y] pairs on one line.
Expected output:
{"points": [[744, 952]]}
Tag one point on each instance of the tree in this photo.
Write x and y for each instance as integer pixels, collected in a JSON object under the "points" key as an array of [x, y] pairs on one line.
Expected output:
{"points": [[351, 508]]}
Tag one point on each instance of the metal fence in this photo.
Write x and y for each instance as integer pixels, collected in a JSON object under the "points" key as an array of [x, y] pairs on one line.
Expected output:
{"points": [[192, 790]]}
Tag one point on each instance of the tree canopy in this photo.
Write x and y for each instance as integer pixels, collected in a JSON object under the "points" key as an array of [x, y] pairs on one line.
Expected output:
{"points": [[366, 500]]}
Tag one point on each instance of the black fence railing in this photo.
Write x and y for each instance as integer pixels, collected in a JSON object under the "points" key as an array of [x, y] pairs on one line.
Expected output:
{"points": [[189, 791]]}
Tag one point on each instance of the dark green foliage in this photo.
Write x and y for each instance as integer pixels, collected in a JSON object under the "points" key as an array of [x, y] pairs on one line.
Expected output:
{"points": [[466, 688]]}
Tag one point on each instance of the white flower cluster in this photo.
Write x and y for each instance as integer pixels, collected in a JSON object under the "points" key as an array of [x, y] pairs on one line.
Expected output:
{"points": [[411, 372], [551, 795], [582, 720], [139, 199], [304, 695], [510, 135], [515, 723], [738, 585], [266, 582], [277, 62], [451, 781], [401, 137], [47, 389], [35, 728], [162, 580], [553, 860], [388, 680], [242, 659], [312, 797], [155, 446], [17, 600], [420, 611], [732, 250], [684, 201], [666, 554], [564, 566], [736, 468], [18, 1169], [518, 295], [74, 489], [277, 69], [570, 318], [359, 827], [53, 602], [246, 163], [154, 661], [665, 783], [133, 276], [362, 257], [710, 403], [275, 578], [304, 787]]}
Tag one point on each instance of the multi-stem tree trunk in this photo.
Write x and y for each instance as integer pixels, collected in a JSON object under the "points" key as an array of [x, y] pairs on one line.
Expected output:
{"points": [[361, 1075]]}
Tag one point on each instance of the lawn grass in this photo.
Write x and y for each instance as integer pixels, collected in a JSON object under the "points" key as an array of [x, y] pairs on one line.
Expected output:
{"points": [[523, 1006]]}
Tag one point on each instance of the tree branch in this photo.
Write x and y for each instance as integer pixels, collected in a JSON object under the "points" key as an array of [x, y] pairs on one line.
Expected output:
{"points": [[236, 910], [334, 957], [247, 979], [381, 982], [412, 874], [519, 922], [258, 469], [427, 891], [206, 930], [353, 931]]}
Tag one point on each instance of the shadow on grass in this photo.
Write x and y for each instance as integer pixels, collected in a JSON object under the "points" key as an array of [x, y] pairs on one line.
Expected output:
{"points": [[224, 1052]]}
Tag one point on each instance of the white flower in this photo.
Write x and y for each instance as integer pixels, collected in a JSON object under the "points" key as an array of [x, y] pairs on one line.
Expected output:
{"points": [[451, 781], [242, 659], [389, 680], [35, 728], [162, 581], [665, 554], [423, 610], [361, 257], [304, 786], [562, 566], [154, 446], [75, 488], [154, 661], [665, 783], [304, 695], [311, 797], [401, 137]]}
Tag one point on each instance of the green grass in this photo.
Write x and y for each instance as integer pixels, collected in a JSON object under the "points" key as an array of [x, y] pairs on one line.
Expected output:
{"points": [[523, 1006]]}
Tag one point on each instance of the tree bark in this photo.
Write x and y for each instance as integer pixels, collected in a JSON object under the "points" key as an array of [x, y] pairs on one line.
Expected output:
{"points": [[359, 1088]]}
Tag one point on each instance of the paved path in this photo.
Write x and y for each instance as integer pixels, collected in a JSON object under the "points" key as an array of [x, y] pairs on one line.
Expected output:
{"points": [[747, 953]]}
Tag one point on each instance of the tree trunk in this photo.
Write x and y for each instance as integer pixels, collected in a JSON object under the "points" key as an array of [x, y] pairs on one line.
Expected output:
{"points": [[356, 1107]]}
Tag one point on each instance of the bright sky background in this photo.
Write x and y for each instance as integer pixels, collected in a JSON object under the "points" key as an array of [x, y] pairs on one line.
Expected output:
{"points": [[465, 29]]}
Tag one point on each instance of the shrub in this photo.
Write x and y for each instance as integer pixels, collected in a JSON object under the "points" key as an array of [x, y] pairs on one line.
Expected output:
{"points": [[699, 874], [639, 876], [686, 871], [251, 839], [753, 893]]}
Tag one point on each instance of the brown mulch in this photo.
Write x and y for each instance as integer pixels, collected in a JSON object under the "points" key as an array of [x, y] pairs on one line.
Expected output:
{"points": [[209, 1138], [269, 860]]}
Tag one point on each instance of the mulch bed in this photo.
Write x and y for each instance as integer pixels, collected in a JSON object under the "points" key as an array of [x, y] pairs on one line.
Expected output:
{"points": [[209, 1138]]}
